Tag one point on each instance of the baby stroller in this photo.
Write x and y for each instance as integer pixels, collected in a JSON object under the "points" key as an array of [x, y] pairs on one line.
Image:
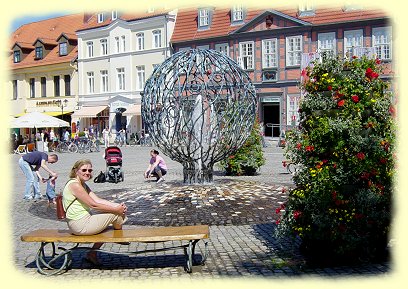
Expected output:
{"points": [[113, 158]]}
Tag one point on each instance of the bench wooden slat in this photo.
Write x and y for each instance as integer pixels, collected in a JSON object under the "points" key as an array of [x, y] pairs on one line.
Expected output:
{"points": [[144, 235]]}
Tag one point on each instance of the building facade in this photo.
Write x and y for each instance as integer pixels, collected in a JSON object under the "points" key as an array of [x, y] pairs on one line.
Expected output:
{"points": [[116, 55], [273, 46], [42, 75]]}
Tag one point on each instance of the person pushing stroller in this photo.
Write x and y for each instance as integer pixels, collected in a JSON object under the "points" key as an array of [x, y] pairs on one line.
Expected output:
{"points": [[156, 168]]}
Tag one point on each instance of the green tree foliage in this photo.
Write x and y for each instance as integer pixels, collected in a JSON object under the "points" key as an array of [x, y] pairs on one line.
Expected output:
{"points": [[344, 147]]}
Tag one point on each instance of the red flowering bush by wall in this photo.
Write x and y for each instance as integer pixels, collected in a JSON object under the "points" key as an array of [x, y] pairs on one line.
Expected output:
{"points": [[344, 147]]}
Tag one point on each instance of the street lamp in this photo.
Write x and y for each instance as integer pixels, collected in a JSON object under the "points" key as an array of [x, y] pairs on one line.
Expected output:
{"points": [[63, 104]]}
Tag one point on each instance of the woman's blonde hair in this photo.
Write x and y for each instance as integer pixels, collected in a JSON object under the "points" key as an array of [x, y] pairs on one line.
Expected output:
{"points": [[77, 165]]}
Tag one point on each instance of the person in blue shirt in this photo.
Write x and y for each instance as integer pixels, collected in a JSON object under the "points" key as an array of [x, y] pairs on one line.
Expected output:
{"points": [[30, 164]]}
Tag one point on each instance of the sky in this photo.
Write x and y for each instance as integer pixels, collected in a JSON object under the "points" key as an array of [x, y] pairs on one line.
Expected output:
{"points": [[21, 20]]}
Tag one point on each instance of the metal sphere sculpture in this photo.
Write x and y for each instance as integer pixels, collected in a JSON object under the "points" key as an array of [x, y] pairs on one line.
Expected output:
{"points": [[199, 107]]}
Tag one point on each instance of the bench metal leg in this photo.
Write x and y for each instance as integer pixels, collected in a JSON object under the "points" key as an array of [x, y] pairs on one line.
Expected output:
{"points": [[189, 252], [47, 262]]}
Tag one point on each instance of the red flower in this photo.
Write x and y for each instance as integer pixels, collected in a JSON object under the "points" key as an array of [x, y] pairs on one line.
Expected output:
{"points": [[303, 73], [277, 222], [360, 156], [341, 103], [296, 214], [329, 87], [378, 61], [370, 74], [334, 195], [355, 98], [277, 211], [231, 157], [392, 110], [365, 176], [284, 164], [354, 57], [208, 72], [309, 148], [298, 146], [334, 166], [383, 161]]}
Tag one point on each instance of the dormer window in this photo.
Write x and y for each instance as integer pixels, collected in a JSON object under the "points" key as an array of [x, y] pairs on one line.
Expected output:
{"points": [[237, 13], [203, 18], [17, 56], [101, 17], [39, 52], [114, 15], [306, 9], [63, 48]]}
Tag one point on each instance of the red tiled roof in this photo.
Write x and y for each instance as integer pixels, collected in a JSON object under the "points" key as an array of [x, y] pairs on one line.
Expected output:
{"points": [[48, 31], [186, 24]]}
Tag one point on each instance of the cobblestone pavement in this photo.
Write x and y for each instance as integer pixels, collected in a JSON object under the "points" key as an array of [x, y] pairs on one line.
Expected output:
{"points": [[239, 210]]}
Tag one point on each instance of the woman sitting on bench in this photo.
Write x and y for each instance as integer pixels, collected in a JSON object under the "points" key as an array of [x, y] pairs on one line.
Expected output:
{"points": [[78, 200]]}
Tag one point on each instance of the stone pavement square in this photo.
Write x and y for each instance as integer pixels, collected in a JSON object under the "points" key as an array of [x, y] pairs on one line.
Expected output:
{"points": [[239, 210]]}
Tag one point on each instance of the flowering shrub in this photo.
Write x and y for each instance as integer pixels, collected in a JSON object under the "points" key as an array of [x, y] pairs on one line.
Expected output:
{"points": [[249, 157], [341, 204]]}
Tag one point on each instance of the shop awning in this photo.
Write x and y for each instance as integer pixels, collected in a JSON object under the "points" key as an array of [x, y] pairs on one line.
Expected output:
{"points": [[133, 110], [88, 111], [57, 113]]}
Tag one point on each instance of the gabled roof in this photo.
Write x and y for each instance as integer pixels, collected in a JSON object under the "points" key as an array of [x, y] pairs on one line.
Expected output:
{"points": [[46, 31], [261, 17], [186, 25], [69, 36], [46, 41]]}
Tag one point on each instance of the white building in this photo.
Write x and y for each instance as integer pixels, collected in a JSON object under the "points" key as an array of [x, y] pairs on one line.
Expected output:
{"points": [[116, 55]]}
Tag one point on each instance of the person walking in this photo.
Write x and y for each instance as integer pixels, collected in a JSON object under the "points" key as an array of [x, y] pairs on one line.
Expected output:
{"points": [[157, 167], [30, 164], [86, 213], [106, 135]]}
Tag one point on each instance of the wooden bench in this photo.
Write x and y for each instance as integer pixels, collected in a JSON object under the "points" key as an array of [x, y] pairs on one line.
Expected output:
{"points": [[48, 261]]}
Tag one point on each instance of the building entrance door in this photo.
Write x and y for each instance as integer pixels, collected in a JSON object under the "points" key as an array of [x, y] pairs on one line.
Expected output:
{"points": [[271, 119]]}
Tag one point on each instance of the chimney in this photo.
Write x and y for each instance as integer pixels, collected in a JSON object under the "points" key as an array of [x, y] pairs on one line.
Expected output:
{"points": [[87, 16]]}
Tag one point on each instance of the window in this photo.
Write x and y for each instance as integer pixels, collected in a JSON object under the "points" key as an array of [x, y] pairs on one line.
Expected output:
{"points": [[15, 89], [140, 77], [222, 48], [121, 78], [269, 53], [38, 52], [43, 87], [123, 43], [63, 48], [293, 50], [91, 82], [117, 44], [56, 85], [104, 80], [114, 15], [17, 56], [157, 39], [306, 9], [32, 87], [89, 45], [352, 39], [104, 47], [140, 41], [101, 17], [293, 110], [246, 55], [237, 13], [326, 43], [203, 18], [67, 81], [382, 39]]}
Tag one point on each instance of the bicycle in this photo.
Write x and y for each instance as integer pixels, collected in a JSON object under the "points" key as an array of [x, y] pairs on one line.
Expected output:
{"points": [[84, 147], [94, 145], [67, 146]]}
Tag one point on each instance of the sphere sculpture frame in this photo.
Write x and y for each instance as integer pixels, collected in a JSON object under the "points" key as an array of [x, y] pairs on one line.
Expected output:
{"points": [[199, 107]]}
